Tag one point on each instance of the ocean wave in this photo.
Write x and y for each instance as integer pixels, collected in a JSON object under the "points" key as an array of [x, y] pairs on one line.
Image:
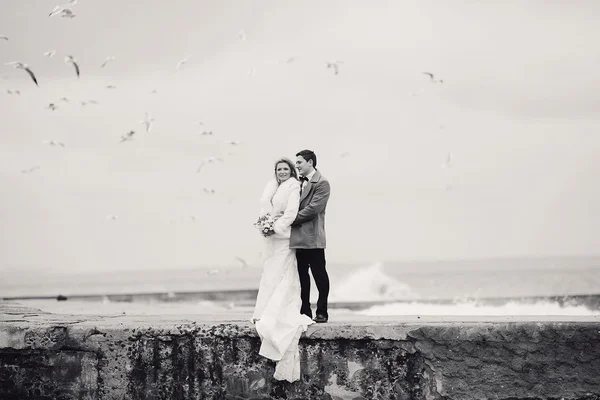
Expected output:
{"points": [[474, 308], [370, 283]]}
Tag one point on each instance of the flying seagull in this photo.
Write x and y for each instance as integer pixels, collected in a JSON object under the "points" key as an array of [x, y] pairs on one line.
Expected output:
{"points": [[209, 160], [71, 60], [107, 60], [3, 37], [335, 65], [67, 13], [184, 61], [147, 121], [232, 142], [242, 35], [50, 53], [209, 191], [54, 143], [448, 162], [56, 10], [64, 12], [244, 263], [432, 78], [30, 170], [127, 136], [20, 65], [52, 107]]}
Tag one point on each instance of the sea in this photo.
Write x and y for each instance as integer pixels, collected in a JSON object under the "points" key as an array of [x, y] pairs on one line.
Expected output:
{"points": [[477, 287]]}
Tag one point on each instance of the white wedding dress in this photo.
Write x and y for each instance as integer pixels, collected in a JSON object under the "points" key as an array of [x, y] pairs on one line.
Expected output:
{"points": [[277, 312]]}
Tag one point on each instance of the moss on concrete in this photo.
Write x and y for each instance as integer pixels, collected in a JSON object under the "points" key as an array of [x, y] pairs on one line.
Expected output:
{"points": [[50, 356]]}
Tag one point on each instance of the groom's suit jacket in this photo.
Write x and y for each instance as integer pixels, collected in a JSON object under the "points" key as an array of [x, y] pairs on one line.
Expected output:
{"points": [[308, 229]]}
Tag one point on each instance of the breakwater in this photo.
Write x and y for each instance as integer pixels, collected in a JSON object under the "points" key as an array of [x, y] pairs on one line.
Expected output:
{"points": [[52, 356]]}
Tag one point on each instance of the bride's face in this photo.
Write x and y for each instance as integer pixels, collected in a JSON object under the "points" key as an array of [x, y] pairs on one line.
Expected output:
{"points": [[282, 170]]}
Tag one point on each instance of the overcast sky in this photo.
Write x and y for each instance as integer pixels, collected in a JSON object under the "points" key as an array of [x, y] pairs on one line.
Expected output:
{"points": [[518, 109]]}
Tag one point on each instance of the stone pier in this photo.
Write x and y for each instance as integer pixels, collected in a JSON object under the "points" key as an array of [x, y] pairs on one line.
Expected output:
{"points": [[52, 356]]}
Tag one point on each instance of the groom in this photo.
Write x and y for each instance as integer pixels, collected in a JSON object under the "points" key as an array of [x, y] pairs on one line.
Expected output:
{"points": [[308, 234]]}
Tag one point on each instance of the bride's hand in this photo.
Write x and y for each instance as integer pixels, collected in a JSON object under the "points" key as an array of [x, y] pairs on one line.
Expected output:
{"points": [[275, 218]]}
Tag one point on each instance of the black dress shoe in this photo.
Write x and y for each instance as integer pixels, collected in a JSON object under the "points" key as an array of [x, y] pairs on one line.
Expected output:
{"points": [[320, 319]]}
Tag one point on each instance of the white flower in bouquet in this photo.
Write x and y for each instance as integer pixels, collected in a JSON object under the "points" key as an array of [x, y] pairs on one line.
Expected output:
{"points": [[265, 224]]}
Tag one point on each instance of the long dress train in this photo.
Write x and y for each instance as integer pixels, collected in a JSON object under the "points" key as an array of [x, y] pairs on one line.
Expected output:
{"points": [[277, 312]]}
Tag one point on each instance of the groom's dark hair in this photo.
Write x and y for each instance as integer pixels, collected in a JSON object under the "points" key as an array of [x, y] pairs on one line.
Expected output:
{"points": [[308, 155]]}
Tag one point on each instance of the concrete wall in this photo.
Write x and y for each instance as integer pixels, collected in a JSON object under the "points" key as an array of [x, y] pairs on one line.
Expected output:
{"points": [[48, 356]]}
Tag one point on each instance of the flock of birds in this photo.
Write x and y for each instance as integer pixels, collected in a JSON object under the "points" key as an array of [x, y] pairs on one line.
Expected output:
{"points": [[66, 11]]}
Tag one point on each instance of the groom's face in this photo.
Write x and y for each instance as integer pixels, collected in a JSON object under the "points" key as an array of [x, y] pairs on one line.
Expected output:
{"points": [[304, 167]]}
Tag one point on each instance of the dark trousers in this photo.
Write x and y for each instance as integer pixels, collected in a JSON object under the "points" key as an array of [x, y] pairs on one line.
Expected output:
{"points": [[313, 259]]}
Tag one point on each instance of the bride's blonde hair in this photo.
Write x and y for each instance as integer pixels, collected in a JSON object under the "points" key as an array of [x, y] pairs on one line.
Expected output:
{"points": [[293, 172]]}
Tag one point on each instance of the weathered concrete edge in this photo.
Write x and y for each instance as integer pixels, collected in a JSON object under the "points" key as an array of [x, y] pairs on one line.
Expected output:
{"points": [[15, 320], [459, 358]]}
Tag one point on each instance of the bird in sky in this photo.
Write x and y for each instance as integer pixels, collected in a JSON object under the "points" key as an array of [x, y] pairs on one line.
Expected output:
{"points": [[244, 263], [30, 170], [52, 107], [71, 60], [54, 143], [20, 65], [232, 142], [107, 60], [448, 162], [335, 65], [147, 121], [4, 37], [127, 136], [50, 53], [64, 12], [432, 78], [208, 161], [209, 191], [184, 61]]}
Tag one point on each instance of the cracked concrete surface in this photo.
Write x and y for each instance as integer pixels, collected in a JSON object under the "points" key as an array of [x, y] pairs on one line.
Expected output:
{"points": [[52, 356]]}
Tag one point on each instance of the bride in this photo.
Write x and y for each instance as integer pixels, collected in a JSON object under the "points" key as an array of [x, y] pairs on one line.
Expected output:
{"points": [[277, 312]]}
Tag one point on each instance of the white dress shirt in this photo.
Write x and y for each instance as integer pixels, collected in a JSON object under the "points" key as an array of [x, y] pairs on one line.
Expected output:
{"points": [[309, 177]]}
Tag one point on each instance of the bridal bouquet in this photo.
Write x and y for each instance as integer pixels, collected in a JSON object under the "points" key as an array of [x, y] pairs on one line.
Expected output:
{"points": [[265, 224]]}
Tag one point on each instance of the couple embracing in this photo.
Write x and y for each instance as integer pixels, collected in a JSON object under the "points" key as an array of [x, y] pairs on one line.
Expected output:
{"points": [[295, 244]]}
